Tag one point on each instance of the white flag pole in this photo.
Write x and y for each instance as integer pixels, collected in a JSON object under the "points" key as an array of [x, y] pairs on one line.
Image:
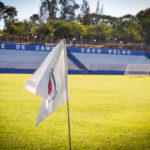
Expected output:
{"points": [[69, 131]]}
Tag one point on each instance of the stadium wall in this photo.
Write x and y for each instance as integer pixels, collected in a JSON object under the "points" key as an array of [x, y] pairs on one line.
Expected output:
{"points": [[26, 58]]}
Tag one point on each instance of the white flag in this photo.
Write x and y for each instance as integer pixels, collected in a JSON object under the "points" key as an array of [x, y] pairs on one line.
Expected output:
{"points": [[50, 81]]}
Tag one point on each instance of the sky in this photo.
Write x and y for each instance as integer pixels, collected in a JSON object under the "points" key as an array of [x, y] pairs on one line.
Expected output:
{"points": [[117, 8]]}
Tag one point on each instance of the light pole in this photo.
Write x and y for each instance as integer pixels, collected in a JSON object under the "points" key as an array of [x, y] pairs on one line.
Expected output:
{"points": [[81, 39], [1, 36], [94, 41], [74, 40]]}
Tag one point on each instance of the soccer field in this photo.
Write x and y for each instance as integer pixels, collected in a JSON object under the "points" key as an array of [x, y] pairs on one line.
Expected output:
{"points": [[106, 112]]}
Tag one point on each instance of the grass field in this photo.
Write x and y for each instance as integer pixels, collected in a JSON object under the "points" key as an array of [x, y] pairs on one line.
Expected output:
{"points": [[107, 113]]}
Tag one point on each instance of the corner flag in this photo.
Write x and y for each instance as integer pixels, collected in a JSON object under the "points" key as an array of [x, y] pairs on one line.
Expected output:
{"points": [[50, 81]]}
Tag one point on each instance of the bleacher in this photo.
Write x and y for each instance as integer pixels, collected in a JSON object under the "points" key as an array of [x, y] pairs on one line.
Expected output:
{"points": [[72, 66], [110, 63], [20, 58]]}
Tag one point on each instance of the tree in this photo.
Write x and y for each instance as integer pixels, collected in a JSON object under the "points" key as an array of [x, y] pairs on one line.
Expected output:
{"points": [[143, 18], [85, 13], [85, 9], [64, 9], [42, 31], [72, 8], [127, 17], [35, 18], [61, 30], [77, 30], [127, 31], [10, 29], [2, 10], [99, 10], [20, 32], [48, 10], [100, 32], [68, 8], [27, 26], [9, 13]]}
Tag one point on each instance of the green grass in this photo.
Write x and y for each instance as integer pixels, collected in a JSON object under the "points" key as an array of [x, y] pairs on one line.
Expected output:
{"points": [[106, 112]]}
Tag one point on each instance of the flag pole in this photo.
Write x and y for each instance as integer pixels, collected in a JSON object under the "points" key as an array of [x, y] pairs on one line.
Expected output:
{"points": [[65, 51], [69, 125]]}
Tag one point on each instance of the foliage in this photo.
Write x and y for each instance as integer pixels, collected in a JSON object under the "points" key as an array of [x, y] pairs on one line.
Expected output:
{"points": [[59, 19], [127, 30], [99, 10], [48, 9], [2, 9], [143, 18], [7, 13], [100, 32], [85, 13], [35, 18], [68, 8], [76, 30], [61, 30]]}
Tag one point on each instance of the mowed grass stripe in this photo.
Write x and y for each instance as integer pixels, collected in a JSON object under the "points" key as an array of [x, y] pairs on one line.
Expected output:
{"points": [[106, 112]]}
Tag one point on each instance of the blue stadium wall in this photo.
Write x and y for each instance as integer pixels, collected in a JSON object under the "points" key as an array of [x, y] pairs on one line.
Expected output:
{"points": [[26, 58]]}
